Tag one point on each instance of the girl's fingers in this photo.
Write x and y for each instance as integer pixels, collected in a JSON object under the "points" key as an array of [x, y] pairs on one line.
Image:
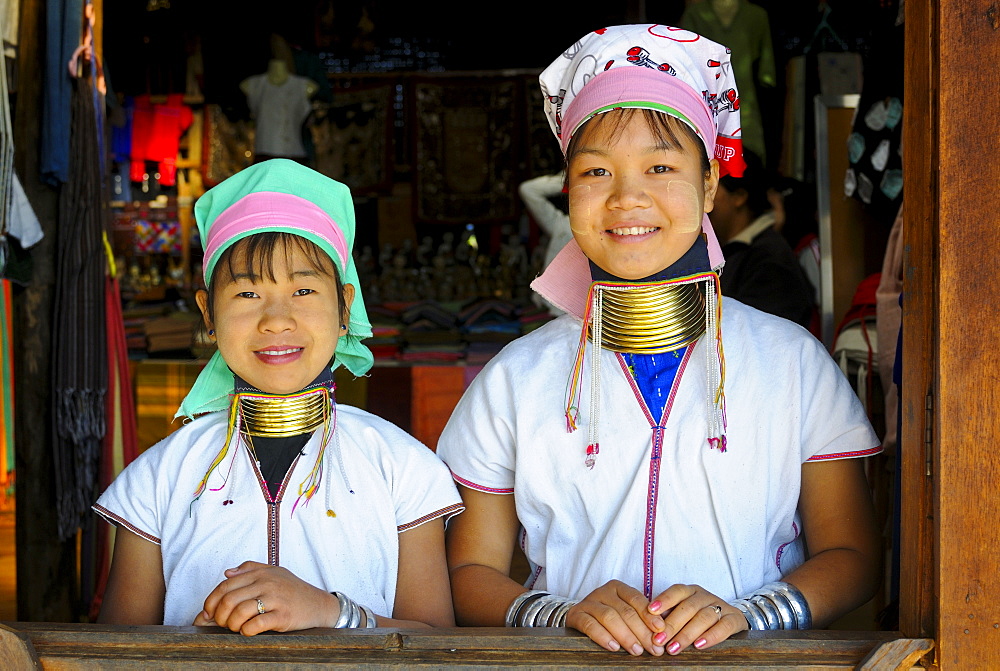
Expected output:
{"points": [[615, 625], [259, 623], [237, 616], [592, 627], [640, 607], [203, 620], [236, 578], [243, 568], [708, 626], [230, 608], [726, 627]]}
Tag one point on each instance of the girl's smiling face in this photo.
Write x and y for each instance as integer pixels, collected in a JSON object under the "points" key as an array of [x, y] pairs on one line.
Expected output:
{"points": [[637, 198], [277, 330]]}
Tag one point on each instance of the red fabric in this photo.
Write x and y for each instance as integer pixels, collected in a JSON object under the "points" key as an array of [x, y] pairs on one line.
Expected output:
{"points": [[864, 301], [156, 132], [120, 379]]}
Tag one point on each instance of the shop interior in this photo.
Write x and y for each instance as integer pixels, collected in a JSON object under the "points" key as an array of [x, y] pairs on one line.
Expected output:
{"points": [[434, 122]]}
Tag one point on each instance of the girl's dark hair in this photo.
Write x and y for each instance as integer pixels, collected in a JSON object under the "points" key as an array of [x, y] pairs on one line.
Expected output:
{"points": [[667, 129], [755, 181], [253, 256]]}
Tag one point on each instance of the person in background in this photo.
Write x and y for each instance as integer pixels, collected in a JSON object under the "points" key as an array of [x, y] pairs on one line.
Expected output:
{"points": [[761, 270], [545, 198]]}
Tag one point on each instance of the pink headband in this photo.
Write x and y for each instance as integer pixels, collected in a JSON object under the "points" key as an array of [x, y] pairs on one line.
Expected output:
{"points": [[264, 211], [617, 88]]}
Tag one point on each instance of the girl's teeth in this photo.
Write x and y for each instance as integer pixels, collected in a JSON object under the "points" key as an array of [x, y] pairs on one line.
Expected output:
{"points": [[279, 352], [634, 230]]}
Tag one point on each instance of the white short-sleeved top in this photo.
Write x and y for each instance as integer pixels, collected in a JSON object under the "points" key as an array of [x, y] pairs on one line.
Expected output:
{"points": [[660, 506], [378, 481]]}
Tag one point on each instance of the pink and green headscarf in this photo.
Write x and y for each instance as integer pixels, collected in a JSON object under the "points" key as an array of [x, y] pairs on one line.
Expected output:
{"points": [[286, 197]]}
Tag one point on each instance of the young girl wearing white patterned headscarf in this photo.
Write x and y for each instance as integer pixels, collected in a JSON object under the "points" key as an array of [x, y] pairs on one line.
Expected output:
{"points": [[677, 467]]}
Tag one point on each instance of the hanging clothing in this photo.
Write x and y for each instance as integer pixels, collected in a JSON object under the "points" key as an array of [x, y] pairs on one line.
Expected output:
{"points": [[874, 147], [156, 133], [63, 26], [22, 223], [79, 343], [279, 110], [748, 35], [10, 15], [346, 538]]}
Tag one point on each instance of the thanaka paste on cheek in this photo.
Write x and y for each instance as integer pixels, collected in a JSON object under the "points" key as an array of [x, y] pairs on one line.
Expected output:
{"points": [[580, 206], [682, 199]]}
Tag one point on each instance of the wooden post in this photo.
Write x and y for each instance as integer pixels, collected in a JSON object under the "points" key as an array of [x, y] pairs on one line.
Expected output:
{"points": [[45, 567], [967, 468], [951, 360], [920, 196]]}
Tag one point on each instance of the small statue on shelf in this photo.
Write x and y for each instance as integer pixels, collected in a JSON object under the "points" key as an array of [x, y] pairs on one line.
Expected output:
{"points": [[399, 282], [424, 251]]}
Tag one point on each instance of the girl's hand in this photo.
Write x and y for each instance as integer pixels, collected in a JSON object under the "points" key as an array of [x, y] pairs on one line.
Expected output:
{"points": [[694, 616], [289, 603], [616, 616]]}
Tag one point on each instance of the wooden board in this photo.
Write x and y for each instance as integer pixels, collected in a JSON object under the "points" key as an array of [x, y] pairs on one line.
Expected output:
{"points": [[76, 646]]}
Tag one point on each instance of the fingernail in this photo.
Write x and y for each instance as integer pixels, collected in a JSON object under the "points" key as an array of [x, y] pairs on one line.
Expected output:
{"points": [[674, 648], [700, 643], [660, 638], [613, 646], [636, 649], [657, 650], [655, 607]]}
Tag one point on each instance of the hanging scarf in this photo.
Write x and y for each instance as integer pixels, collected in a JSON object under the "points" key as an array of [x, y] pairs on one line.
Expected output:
{"points": [[79, 336]]}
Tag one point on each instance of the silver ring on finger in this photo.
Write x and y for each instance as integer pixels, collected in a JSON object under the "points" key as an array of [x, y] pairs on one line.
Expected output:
{"points": [[260, 607], [718, 610]]}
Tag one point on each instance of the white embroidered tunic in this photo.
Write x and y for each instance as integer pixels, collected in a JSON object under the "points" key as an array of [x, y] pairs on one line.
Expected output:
{"points": [[397, 484], [659, 507]]}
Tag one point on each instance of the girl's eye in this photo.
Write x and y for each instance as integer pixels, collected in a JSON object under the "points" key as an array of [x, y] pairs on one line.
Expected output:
{"points": [[247, 294], [303, 292], [659, 169], [596, 172]]}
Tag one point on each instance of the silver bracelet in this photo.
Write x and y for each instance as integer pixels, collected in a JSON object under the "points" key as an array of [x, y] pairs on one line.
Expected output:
{"points": [[345, 611], [781, 603], [529, 614], [797, 601], [511, 618], [370, 622], [769, 610], [559, 617], [355, 615], [549, 606], [350, 612], [776, 605], [755, 619], [540, 609]]}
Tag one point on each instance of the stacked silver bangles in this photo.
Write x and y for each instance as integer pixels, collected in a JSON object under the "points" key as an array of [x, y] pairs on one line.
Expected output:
{"points": [[776, 605], [538, 609], [350, 613]]}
